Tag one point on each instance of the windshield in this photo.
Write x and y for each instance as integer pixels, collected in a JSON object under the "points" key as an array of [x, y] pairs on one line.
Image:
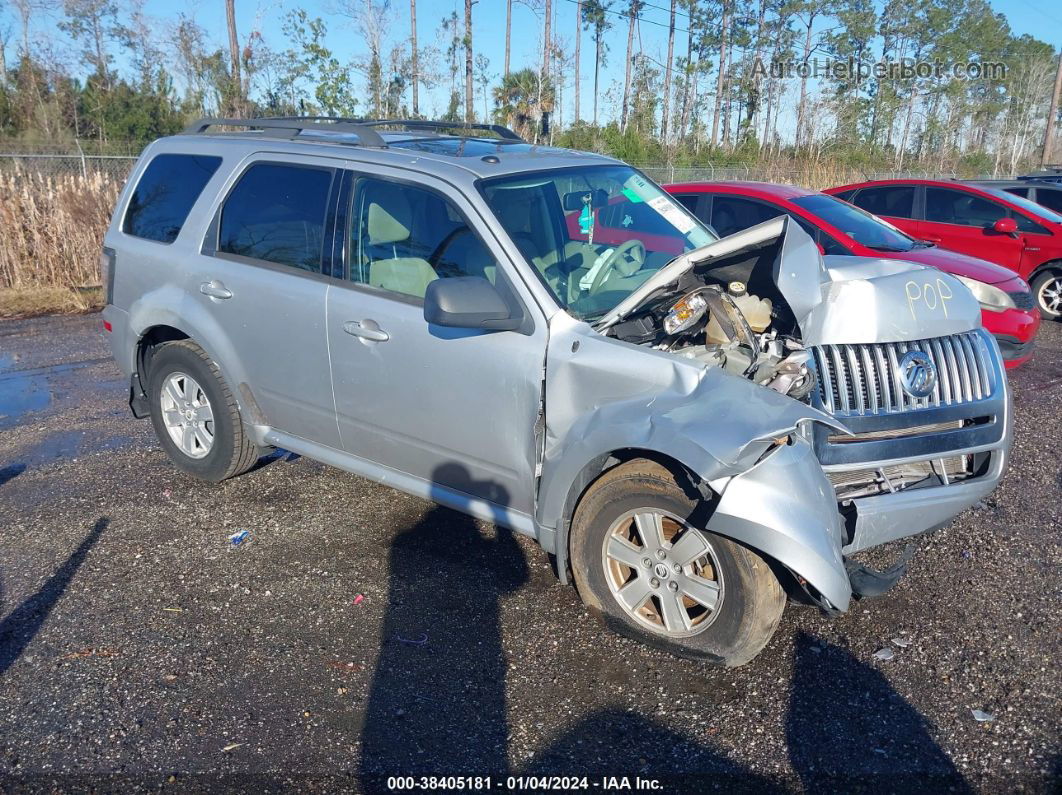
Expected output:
{"points": [[593, 234], [1029, 206], [858, 224]]}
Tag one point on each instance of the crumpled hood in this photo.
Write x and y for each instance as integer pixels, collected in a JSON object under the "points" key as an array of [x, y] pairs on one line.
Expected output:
{"points": [[835, 299], [866, 300]]}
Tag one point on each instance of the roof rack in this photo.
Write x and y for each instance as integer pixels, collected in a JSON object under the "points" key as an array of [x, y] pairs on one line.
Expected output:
{"points": [[291, 126]]}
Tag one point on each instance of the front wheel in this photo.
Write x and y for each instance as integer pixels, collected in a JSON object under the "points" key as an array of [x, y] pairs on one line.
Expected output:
{"points": [[1047, 287], [643, 563], [195, 416]]}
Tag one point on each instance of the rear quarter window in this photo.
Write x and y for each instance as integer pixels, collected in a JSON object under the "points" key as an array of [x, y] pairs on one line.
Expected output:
{"points": [[165, 194]]}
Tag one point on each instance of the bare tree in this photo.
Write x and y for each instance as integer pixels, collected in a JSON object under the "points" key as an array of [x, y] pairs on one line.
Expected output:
{"points": [[414, 59], [720, 76], [508, 32], [578, 38], [664, 119], [546, 46], [234, 57], [5, 35], [1052, 116], [470, 113], [633, 10], [371, 18]]}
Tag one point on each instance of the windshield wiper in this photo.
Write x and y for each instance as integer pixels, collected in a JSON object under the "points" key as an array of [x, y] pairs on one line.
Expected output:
{"points": [[887, 248]]}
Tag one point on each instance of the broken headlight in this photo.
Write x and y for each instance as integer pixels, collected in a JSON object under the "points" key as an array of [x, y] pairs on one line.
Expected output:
{"points": [[685, 313]]}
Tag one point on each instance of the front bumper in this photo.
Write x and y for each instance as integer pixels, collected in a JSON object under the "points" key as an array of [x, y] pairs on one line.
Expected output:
{"points": [[1015, 333], [886, 517]]}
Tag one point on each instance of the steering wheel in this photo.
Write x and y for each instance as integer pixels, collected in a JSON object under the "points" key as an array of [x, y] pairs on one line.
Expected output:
{"points": [[630, 253]]}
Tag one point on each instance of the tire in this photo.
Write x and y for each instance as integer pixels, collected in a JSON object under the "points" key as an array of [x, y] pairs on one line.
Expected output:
{"points": [[748, 597], [1047, 289], [182, 379]]}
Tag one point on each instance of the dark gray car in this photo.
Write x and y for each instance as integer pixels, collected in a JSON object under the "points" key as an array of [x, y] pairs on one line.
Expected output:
{"points": [[542, 338]]}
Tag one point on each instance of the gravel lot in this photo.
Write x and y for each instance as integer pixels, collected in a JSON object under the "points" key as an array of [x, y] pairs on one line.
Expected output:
{"points": [[139, 647]]}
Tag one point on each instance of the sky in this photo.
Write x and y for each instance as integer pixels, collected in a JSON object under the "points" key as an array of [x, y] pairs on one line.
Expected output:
{"points": [[1039, 18]]}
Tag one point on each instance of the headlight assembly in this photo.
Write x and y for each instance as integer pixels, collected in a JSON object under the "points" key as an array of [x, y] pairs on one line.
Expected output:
{"points": [[989, 297]]}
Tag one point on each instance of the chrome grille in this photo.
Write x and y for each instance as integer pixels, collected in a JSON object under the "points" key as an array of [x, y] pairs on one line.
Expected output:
{"points": [[865, 379]]}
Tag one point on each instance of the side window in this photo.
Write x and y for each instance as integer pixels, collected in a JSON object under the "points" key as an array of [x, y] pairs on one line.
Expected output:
{"points": [[1026, 224], [894, 200], [730, 215], [1051, 199], [276, 213], [946, 206], [845, 195], [830, 245], [688, 200], [1023, 192], [168, 188], [406, 237]]}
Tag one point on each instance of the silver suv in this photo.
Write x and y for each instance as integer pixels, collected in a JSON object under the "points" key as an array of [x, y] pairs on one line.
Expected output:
{"points": [[692, 427]]}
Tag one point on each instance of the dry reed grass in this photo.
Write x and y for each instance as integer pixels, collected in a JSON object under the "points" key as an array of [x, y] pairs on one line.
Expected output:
{"points": [[51, 228]]}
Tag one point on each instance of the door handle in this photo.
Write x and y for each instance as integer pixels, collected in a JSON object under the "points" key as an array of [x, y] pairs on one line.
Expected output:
{"points": [[365, 331], [215, 289]]}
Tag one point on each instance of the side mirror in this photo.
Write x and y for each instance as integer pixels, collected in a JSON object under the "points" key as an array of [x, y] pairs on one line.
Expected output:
{"points": [[1006, 226], [469, 302]]}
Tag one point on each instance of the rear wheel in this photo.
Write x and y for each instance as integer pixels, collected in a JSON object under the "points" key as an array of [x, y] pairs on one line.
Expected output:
{"points": [[195, 416], [644, 564], [1047, 287]]}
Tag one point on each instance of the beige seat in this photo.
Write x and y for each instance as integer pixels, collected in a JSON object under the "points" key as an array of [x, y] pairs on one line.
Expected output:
{"points": [[390, 219]]}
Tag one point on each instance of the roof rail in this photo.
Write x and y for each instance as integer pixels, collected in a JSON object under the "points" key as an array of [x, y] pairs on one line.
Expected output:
{"points": [[424, 124], [290, 127]]}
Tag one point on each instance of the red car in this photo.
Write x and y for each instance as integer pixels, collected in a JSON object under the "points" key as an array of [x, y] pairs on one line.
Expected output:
{"points": [[1007, 309], [976, 219]]}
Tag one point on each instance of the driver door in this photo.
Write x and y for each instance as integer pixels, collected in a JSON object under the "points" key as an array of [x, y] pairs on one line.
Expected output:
{"points": [[450, 407]]}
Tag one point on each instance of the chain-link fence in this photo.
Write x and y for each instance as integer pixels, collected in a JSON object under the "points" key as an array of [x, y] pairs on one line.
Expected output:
{"points": [[115, 166], [60, 160]]}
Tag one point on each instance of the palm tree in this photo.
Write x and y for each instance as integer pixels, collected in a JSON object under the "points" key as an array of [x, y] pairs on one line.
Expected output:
{"points": [[521, 99], [595, 18]]}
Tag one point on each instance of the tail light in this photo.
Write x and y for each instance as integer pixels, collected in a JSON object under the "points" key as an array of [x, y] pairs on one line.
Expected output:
{"points": [[107, 261]]}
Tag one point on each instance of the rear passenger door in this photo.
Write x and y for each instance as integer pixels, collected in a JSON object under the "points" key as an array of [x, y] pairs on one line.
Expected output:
{"points": [[259, 276], [962, 221], [455, 409], [894, 203]]}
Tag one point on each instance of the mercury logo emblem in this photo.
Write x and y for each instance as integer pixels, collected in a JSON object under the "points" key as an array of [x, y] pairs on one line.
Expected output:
{"points": [[918, 374]]}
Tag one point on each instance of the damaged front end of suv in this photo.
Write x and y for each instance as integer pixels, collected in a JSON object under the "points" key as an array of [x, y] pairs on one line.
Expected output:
{"points": [[820, 406]]}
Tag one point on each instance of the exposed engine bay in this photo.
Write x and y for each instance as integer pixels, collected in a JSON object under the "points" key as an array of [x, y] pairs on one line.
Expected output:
{"points": [[729, 314]]}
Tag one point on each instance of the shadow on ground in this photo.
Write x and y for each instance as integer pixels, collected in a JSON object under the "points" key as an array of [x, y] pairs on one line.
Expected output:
{"points": [[26, 620], [846, 727]]}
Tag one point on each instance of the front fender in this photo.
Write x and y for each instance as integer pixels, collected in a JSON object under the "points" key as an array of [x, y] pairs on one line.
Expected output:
{"points": [[603, 395], [786, 508]]}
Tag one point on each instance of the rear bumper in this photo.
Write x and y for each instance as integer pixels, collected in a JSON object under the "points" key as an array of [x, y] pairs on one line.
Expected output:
{"points": [[122, 348]]}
